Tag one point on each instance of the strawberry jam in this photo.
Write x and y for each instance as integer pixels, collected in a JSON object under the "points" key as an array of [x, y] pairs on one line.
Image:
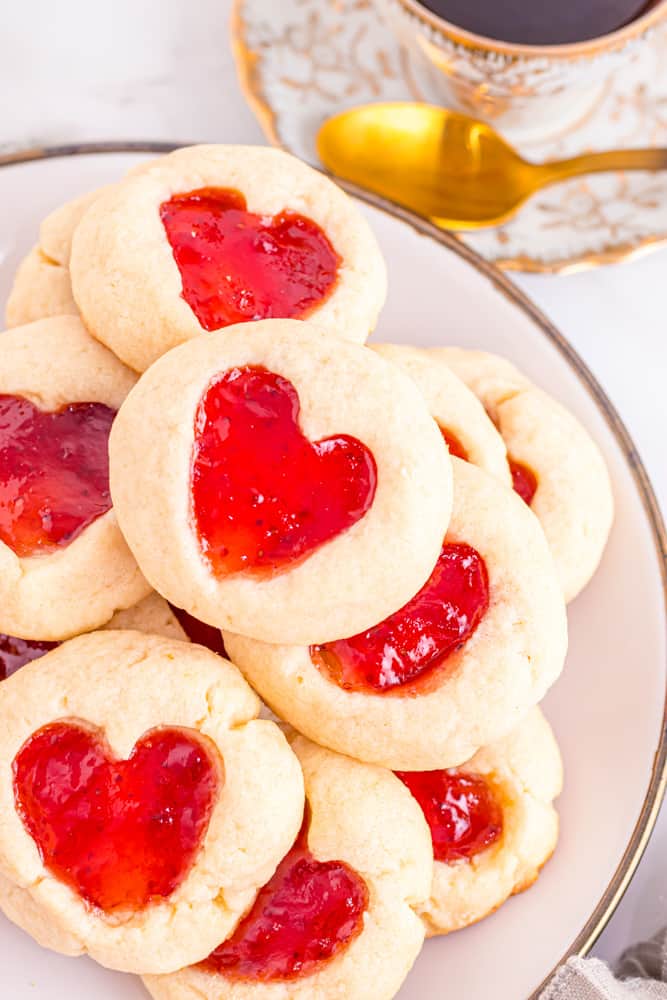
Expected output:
{"points": [[307, 913], [461, 810], [15, 653], [456, 449], [200, 632], [416, 640], [121, 833], [524, 481], [237, 266], [54, 473], [263, 495]]}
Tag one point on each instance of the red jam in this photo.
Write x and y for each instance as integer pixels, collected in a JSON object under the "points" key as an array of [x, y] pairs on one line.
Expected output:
{"points": [[461, 810], [416, 640], [455, 447], [524, 481], [15, 653], [200, 632], [307, 913], [237, 266], [121, 833], [263, 495], [54, 473]]}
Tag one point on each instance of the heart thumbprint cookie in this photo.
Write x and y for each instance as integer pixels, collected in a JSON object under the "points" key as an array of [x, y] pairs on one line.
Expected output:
{"points": [[337, 919], [280, 483], [556, 466], [492, 821], [212, 236], [142, 802], [455, 668], [64, 565]]}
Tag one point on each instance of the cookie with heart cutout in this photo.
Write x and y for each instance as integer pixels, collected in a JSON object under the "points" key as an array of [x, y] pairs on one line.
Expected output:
{"points": [[42, 285], [212, 236], [147, 857], [556, 465], [463, 421], [270, 478], [493, 823], [339, 913], [64, 565], [454, 669]]}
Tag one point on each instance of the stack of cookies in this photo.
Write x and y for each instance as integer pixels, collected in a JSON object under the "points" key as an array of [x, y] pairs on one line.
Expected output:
{"points": [[212, 493]]}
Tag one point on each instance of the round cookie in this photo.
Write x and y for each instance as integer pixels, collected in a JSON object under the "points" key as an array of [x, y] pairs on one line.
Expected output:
{"points": [[42, 285], [64, 565], [572, 498], [493, 823], [255, 528], [156, 887], [365, 833], [454, 670], [467, 429], [299, 249]]}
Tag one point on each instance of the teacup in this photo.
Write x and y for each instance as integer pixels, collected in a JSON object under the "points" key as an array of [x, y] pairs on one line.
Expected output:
{"points": [[526, 91]]}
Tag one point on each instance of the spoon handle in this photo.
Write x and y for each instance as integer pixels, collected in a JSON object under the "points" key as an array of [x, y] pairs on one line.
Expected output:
{"points": [[591, 163]]}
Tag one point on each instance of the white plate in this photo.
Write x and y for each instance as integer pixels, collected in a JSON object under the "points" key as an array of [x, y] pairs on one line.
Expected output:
{"points": [[608, 708]]}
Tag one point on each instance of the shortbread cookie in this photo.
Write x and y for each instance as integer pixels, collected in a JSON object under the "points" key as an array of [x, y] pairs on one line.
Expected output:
{"points": [[455, 669], [278, 482], [557, 466], [463, 421], [42, 286], [210, 236], [146, 857], [338, 917], [493, 823], [64, 566]]}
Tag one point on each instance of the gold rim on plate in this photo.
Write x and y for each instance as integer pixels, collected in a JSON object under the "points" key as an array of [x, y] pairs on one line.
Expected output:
{"points": [[657, 786], [248, 63]]}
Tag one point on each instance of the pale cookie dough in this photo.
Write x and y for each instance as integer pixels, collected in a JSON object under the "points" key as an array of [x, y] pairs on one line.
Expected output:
{"points": [[454, 407], [349, 582], [483, 689], [127, 683], [124, 276], [362, 816], [525, 771], [42, 286], [574, 500], [54, 362]]}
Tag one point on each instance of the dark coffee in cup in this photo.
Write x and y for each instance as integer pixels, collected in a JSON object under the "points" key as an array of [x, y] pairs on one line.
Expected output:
{"points": [[539, 22]]}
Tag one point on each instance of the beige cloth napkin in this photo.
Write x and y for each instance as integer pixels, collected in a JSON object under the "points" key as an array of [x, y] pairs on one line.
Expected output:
{"points": [[641, 974]]}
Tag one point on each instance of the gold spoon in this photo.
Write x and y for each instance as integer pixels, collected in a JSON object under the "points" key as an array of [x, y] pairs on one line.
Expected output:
{"points": [[455, 171]]}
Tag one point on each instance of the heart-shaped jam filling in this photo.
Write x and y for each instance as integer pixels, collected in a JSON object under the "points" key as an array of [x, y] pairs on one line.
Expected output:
{"points": [[200, 632], [524, 481], [15, 653], [307, 913], [455, 447], [461, 810], [121, 833], [54, 473], [263, 495], [416, 640], [238, 266]]}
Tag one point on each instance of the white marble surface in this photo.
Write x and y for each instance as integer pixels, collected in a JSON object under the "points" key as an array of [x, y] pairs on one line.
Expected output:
{"points": [[163, 69]]}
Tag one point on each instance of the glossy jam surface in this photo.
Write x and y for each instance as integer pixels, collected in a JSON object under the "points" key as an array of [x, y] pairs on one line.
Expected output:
{"points": [[303, 916], [455, 447], [121, 833], [416, 640], [461, 810], [524, 481], [15, 653], [54, 473], [200, 632], [237, 266], [263, 495]]}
